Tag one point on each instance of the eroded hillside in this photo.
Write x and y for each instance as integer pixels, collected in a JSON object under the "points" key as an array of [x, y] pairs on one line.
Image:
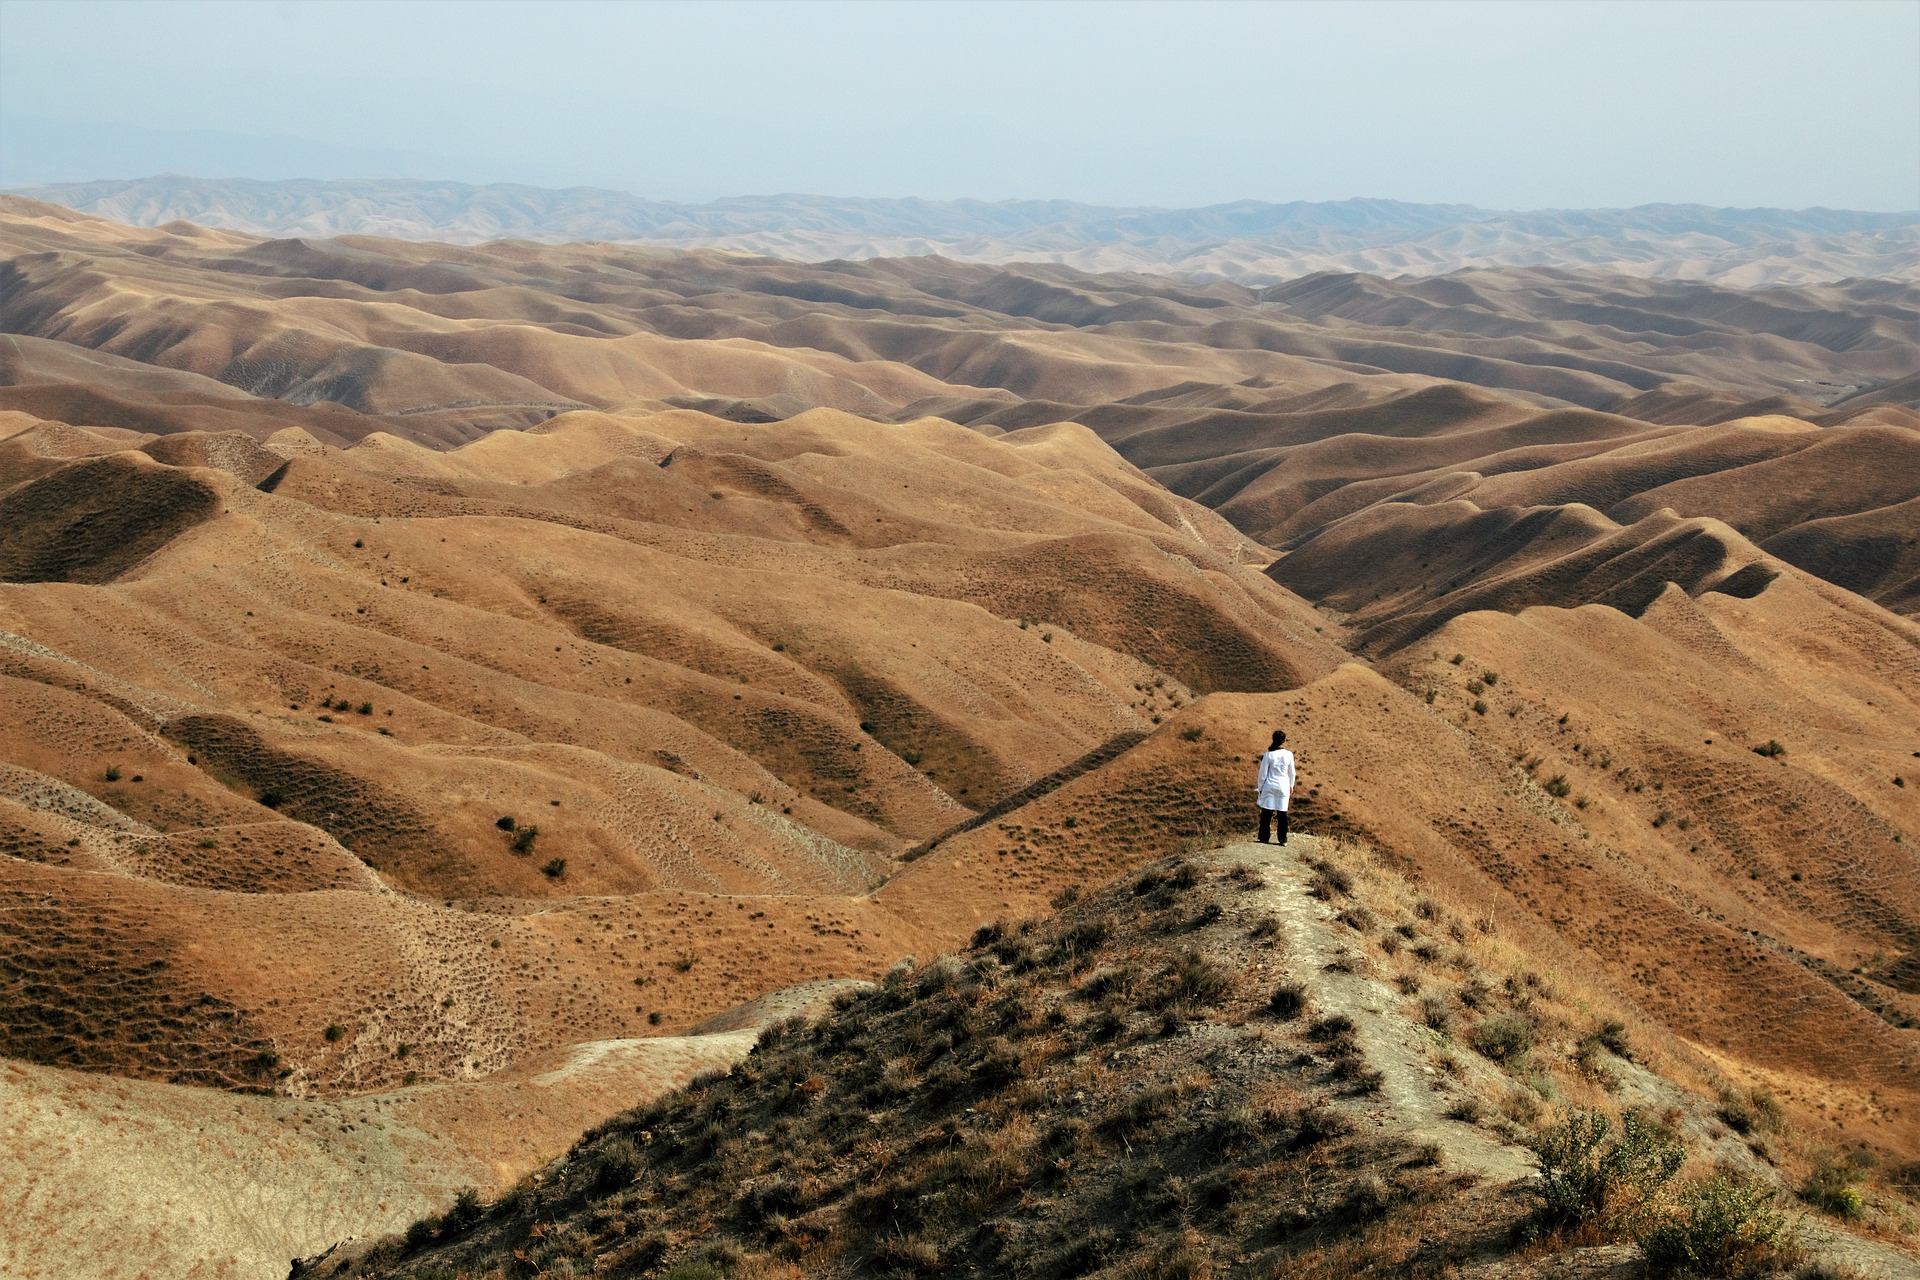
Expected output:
{"points": [[443, 789]]}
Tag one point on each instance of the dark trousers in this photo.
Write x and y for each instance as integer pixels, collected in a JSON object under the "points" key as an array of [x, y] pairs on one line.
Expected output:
{"points": [[1270, 819]]}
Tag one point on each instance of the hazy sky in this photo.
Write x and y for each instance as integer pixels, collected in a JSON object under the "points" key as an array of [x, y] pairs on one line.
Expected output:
{"points": [[1504, 105]]}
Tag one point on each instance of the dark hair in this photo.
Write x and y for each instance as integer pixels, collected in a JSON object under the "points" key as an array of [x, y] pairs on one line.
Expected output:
{"points": [[1279, 736]]}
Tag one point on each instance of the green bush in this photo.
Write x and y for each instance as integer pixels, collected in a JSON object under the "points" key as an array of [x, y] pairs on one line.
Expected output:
{"points": [[1830, 1187], [1719, 1228], [1590, 1175]]}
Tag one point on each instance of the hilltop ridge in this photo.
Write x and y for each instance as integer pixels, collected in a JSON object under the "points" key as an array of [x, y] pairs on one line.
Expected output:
{"points": [[1247, 240]]}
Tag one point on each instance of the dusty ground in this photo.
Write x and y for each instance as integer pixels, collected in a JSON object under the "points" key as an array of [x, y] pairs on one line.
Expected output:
{"points": [[114, 1177]]}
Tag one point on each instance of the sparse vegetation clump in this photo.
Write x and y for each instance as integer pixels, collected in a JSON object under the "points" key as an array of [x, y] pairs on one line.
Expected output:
{"points": [[1832, 1185], [1751, 1112], [1506, 1038], [1594, 1176], [1719, 1227], [1288, 1001], [1035, 1105]]}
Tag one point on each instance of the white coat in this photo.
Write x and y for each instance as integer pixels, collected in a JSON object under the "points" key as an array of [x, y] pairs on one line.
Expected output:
{"points": [[1275, 788]]}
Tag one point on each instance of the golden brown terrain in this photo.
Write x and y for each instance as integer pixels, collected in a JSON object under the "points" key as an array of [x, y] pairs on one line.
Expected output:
{"points": [[361, 758]]}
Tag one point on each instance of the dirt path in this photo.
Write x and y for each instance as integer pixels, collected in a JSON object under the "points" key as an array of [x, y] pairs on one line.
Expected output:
{"points": [[1415, 1092]]}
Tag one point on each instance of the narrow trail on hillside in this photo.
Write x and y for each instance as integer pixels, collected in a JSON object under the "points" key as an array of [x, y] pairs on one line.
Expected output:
{"points": [[1415, 1093]]}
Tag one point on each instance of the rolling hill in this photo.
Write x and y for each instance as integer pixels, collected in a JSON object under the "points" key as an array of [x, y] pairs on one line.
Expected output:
{"points": [[456, 694], [1247, 241]]}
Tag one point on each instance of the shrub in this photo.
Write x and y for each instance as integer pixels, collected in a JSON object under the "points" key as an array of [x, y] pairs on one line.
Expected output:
{"points": [[1770, 750], [335, 1033], [1719, 1228], [554, 868], [113, 773], [1356, 918], [1830, 1186], [1336, 1029], [1288, 1001], [523, 839], [1743, 1113], [1558, 787], [1329, 881], [1192, 735], [466, 1209], [1505, 1039], [1479, 707], [1490, 677], [1247, 878], [1189, 978], [1314, 1125], [1613, 1035], [1434, 1012], [1589, 1175], [506, 823]]}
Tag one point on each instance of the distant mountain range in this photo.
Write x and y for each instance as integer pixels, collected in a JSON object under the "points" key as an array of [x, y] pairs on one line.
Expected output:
{"points": [[1247, 240]]}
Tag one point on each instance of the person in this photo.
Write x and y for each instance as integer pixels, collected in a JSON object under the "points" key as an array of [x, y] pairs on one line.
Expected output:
{"points": [[1274, 790]]}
